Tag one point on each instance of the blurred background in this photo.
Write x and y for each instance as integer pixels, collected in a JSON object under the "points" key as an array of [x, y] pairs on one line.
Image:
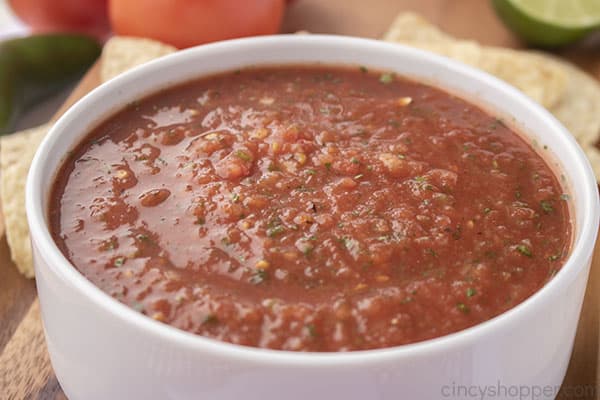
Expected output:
{"points": [[42, 111], [508, 23]]}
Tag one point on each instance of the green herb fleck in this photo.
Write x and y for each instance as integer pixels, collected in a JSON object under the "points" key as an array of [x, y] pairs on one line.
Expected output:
{"points": [[546, 206], [235, 197], [363, 69], [311, 330], [328, 166], [496, 124], [210, 319], [354, 160], [386, 78], [258, 277], [275, 230], [554, 257], [523, 249], [564, 196], [242, 155], [463, 308], [119, 261], [487, 210], [471, 292]]}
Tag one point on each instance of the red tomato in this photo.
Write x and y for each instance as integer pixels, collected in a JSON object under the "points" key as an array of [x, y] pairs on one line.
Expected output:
{"points": [[89, 16], [185, 23]]}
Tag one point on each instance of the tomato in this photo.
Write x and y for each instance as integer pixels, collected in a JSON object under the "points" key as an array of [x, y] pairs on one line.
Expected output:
{"points": [[89, 16], [185, 23]]}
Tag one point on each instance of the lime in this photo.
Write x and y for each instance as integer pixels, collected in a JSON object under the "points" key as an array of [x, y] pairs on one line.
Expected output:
{"points": [[549, 23]]}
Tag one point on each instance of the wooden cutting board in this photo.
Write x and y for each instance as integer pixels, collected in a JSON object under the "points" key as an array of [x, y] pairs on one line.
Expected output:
{"points": [[25, 370]]}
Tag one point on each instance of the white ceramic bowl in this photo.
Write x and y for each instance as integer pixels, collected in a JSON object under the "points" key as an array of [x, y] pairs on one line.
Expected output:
{"points": [[101, 349]]}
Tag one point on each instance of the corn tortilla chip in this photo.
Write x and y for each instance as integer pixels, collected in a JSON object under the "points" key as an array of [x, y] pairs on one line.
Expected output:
{"points": [[569, 93], [17, 150], [578, 111], [122, 53], [16, 153]]}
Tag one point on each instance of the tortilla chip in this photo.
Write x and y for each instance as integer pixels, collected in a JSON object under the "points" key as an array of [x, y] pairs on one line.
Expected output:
{"points": [[411, 27], [566, 91], [121, 53], [578, 111], [16, 153], [17, 150], [528, 71]]}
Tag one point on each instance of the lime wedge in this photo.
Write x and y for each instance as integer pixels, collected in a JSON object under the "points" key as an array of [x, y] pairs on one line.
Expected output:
{"points": [[549, 23]]}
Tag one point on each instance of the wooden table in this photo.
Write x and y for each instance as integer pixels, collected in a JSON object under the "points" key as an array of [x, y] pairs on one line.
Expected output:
{"points": [[25, 371]]}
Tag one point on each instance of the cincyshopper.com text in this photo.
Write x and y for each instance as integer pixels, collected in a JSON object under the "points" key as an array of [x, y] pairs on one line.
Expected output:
{"points": [[520, 392]]}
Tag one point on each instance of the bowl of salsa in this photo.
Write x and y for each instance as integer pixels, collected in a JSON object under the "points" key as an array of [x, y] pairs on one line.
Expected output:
{"points": [[308, 216]]}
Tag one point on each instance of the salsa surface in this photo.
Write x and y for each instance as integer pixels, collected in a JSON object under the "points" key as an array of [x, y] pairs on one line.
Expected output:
{"points": [[311, 209]]}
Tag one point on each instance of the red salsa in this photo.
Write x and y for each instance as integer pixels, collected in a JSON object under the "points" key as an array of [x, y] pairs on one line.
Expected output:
{"points": [[311, 209]]}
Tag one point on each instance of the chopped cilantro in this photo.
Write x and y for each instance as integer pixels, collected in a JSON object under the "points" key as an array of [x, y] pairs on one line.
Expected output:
{"points": [[119, 261], [242, 155], [546, 206], [258, 277], [463, 307], [523, 249], [430, 252], [275, 230], [386, 78], [210, 319], [311, 330]]}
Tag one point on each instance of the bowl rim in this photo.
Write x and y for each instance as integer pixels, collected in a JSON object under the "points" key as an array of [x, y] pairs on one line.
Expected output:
{"points": [[59, 266]]}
